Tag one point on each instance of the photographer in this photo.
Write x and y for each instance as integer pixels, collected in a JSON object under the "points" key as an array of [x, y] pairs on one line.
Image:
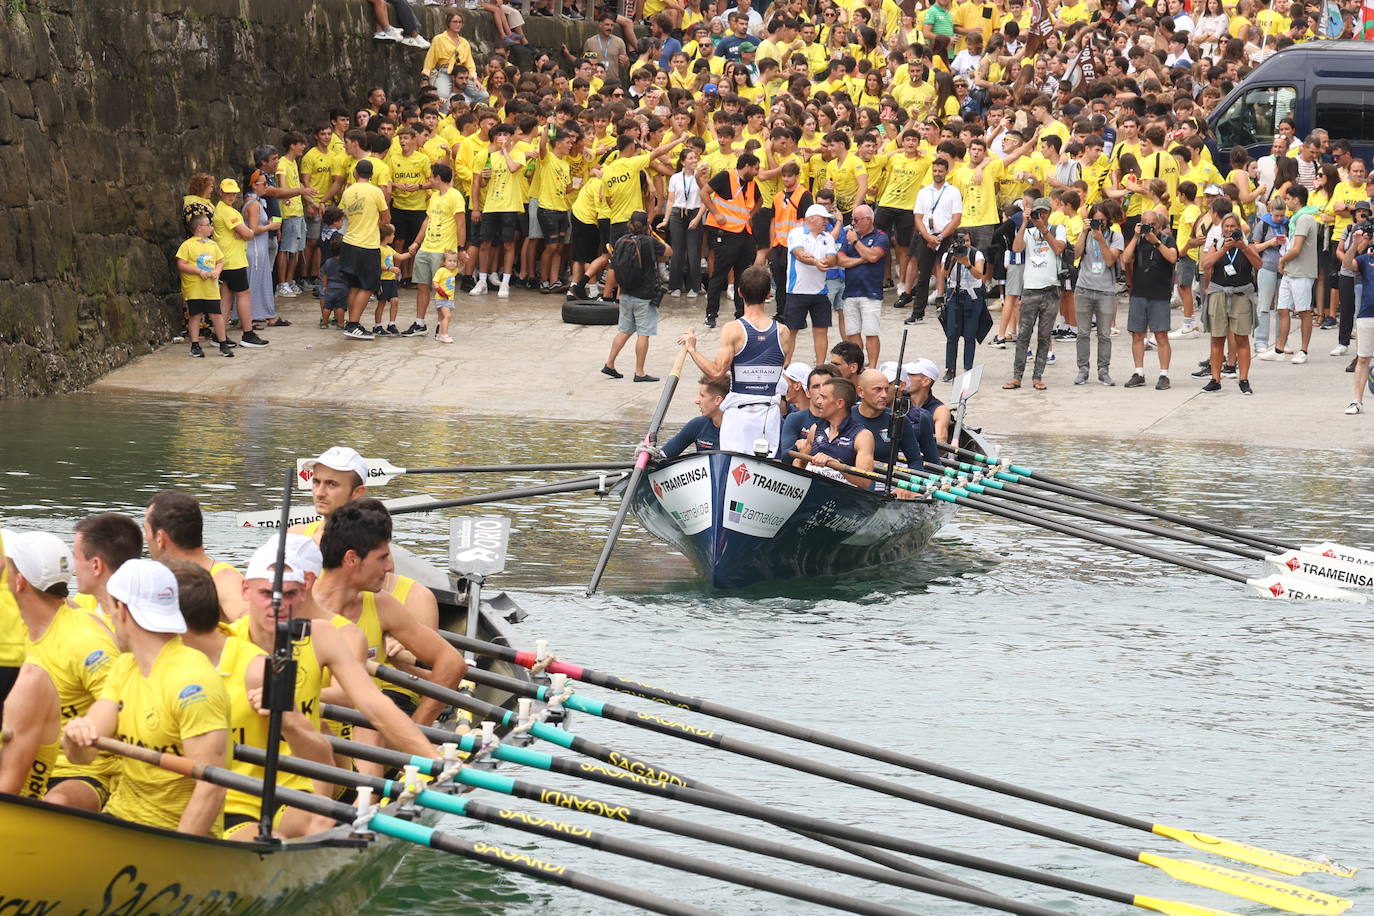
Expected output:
{"points": [[1098, 248], [634, 261], [1150, 257], [960, 282], [1359, 260], [1043, 244], [1231, 261], [1348, 279]]}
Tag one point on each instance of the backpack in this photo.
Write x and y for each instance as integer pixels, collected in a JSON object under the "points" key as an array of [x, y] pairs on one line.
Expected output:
{"points": [[635, 264]]}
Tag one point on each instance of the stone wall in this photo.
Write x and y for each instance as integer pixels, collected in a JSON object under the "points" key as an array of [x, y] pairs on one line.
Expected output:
{"points": [[107, 109]]}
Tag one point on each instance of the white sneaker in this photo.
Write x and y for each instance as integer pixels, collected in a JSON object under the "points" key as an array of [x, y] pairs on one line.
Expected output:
{"points": [[503, 291], [675, 293], [593, 290], [415, 41], [1150, 344], [480, 288], [1354, 408], [1299, 357], [730, 291], [692, 294], [296, 288], [1187, 332], [1339, 350], [284, 291], [1271, 356], [391, 33]]}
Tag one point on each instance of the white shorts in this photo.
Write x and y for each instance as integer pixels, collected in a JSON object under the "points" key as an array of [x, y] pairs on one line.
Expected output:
{"points": [[861, 315], [1295, 294], [747, 418], [1364, 337]]}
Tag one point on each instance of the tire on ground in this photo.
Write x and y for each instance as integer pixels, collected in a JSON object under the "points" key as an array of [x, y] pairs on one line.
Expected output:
{"points": [[587, 312]]}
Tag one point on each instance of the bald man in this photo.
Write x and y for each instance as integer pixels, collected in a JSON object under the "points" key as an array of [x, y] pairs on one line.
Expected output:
{"points": [[916, 437]]}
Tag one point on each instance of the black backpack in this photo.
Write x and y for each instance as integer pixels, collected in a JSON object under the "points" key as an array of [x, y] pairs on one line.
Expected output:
{"points": [[635, 263]]}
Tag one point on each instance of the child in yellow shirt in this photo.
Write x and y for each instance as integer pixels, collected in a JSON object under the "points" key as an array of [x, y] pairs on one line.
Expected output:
{"points": [[386, 288], [445, 288]]}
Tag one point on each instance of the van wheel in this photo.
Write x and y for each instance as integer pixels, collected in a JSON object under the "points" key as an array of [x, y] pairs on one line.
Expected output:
{"points": [[584, 311]]}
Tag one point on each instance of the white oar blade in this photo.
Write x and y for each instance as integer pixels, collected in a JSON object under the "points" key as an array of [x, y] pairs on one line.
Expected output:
{"points": [[379, 472], [1295, 588], [270, 518], [1328, 570], [1342, 552], [477, 545]]}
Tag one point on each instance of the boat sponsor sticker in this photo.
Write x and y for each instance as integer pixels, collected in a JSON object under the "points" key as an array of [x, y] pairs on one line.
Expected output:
{"points": [[761, 497], [683, 489]]}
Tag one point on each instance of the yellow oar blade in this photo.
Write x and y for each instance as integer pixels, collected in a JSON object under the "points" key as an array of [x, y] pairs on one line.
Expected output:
{"points": [[1175, 908], [1279, 862], [1258, 888]]}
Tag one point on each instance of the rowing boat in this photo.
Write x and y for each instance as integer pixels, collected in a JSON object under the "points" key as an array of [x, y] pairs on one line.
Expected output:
{"points": [[64, 862], [742, 520]]}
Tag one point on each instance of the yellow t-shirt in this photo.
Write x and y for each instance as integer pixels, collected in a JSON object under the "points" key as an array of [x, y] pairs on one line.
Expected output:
{"points": [[1078, 12], [905, 176], [980, 199], [1073, 225], [1345, 193], [436, 150], [877, 175], [551, 182], [442, 232], [445, 287], [914, 98], [388, 258], [969, 15], [769, 188], [289, 176], [412, 169], [590, 202], [204, 254], [234, 249], [315, 167], [77, 652], [182, 697], [12, 631], [381, 172], [502, 192], [846, 177], [1187, 217], [623, 191], [364, 204]]}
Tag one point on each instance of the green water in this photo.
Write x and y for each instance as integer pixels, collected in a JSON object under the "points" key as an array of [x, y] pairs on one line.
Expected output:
{"points": [[1013, 652]]}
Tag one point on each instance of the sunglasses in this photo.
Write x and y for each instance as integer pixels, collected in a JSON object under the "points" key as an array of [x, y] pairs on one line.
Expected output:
{"points": [[617, 94]]}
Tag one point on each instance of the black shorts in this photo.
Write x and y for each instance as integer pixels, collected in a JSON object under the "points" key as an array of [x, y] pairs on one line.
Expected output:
{"points": [[800, 306], [101, 790], [554, 225], [500, 227], [361, 267], [386, 290], [236, 279], [407, 223], [404, 701], [762, 224], [899, 224], [202, 306], [615, 232], [585, 241], [7, 678]]}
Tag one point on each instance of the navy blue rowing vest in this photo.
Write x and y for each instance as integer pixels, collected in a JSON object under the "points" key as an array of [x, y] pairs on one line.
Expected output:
{"points": [[841, 448], [758, 364]]}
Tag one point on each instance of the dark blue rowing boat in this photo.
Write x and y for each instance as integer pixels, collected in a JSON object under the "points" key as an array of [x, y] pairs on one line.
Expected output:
{"points": [[743, 520]]}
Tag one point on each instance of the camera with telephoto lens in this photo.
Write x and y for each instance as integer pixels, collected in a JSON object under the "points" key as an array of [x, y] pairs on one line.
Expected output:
{"points": [[1237, 235]]}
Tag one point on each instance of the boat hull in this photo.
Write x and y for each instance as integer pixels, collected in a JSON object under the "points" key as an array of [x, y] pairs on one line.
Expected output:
{"points": [[743, 520]]}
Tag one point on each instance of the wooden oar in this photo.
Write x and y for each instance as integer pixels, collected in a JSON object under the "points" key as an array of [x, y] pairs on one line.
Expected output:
{"points": [[641, 462], [812, 823], [1199, 873], [419, 834], [577, 834], [1241, 852], [1273, 586], [619, 811]]}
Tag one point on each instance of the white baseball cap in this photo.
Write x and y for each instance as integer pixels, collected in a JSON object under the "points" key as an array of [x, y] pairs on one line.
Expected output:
{"points": [[150, 591], [41, 558], [263, 563], [817, 210], [341, 458], [302, 553], [922, 367], [797, 371], [889, 370]]}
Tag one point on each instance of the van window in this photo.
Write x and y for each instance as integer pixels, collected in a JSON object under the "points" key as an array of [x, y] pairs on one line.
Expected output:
{"points": [[1253, 118], [1352, 109]]}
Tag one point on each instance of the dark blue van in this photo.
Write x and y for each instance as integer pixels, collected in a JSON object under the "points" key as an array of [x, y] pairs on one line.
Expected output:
{"points": [[1327, 84]]}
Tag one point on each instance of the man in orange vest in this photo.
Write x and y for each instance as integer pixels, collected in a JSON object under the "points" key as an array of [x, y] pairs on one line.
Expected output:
{"points": [[731, 198], [789, 204]]}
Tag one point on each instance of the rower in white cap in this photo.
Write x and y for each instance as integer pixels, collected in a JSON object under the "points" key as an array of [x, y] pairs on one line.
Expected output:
{"points": [[919, 377]]}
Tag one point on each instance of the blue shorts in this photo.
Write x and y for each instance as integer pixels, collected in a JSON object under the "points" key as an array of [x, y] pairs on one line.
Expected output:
{"points": [[336, 297], [292, 235], [637, 316]]}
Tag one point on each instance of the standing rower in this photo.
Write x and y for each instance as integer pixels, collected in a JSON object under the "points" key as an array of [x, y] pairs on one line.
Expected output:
{"points": [[750, 354], [174, 527], [163, 694]]}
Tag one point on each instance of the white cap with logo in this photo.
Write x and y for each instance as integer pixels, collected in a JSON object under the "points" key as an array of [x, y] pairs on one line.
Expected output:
{"points": [[302, 553], [341, 458], [889, 370], [797, 372], [263, 563], [150, 591], [41, 558], [924, 367]]}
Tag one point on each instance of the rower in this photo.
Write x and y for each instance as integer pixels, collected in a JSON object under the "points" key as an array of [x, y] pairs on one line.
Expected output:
{"points": [[73, 648], [838, 439], [848, 358], [701, 431], [173, 526], [162, 694], [101, 545], [796, 423], [792, 388], [750, 355], [11, 636], [303, 554], [916, 439], [31, 710], [920, 376], [356, 546], [241, 665]]}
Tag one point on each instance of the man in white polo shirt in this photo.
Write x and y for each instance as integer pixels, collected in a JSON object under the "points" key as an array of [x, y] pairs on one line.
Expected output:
{"points": [[811, 251], [939, 208]]}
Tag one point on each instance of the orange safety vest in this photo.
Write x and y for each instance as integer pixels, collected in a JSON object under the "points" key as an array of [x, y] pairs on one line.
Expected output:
{"points": [[786, 213], [735, 211]]}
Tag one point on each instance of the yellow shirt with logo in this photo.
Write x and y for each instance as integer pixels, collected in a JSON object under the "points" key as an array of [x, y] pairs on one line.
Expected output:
{"points": [[182, 697], [769, 188], [234, 249], [441, 234], [364, 204], [315, 167], [445, 287], [204, 254], [289, 176], [412, 169], [77, 652], [381, 172], [388, 258], [623, 191], [1347, 194], [551, 182], [877, 174], [502, 192], [846, 177], [980, 197], [906, 175]]}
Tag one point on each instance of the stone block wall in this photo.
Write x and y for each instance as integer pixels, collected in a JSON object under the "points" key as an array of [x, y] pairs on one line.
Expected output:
{"points": [[105, 112]]}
